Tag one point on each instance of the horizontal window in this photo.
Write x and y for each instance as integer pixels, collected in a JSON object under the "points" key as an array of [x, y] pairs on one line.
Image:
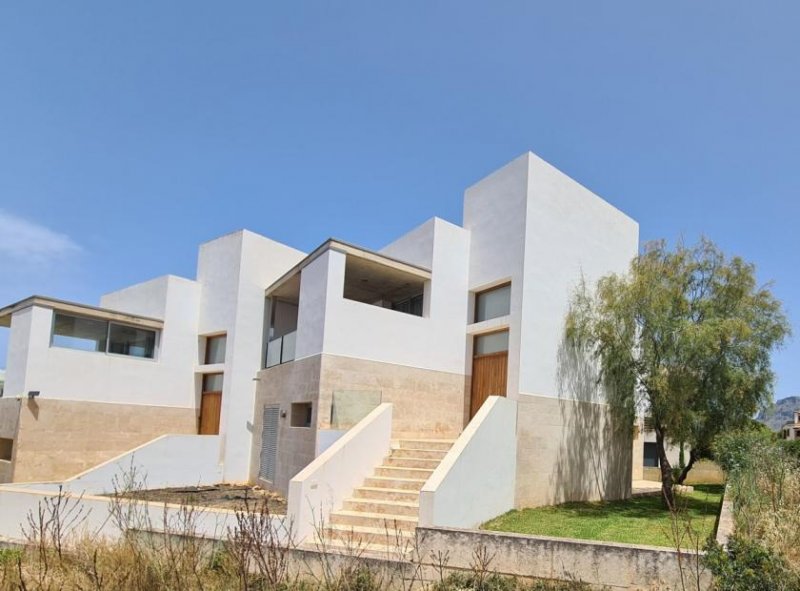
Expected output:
{"points": [[493, 303], [85, 334], [129, 340], [90, 334]]}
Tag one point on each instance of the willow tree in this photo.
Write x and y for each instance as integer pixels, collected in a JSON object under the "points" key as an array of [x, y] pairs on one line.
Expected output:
{"points": [[686, 336]]}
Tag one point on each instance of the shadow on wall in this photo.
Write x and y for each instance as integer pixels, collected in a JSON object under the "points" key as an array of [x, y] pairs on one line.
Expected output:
{"points": [[594, 454]]}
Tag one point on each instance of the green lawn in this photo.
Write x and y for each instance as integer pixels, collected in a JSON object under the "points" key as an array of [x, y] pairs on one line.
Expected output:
{"points": [[637, 521]]}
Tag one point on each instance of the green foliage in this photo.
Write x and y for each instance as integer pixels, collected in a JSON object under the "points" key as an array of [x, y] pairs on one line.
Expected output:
{"points": [[10, 555], [738, 452], [495, 582], [791, 448], [686, 334], [748, 566]]}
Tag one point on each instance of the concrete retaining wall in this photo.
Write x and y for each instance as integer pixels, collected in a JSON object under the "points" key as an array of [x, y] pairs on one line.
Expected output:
{"points": [[618, 566]]}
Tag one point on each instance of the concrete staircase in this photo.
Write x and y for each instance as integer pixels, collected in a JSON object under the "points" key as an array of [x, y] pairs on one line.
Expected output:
{"points": [[381, 516]]}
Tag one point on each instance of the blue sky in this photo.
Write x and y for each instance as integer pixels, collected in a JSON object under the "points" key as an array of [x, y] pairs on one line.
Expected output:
{"points": [[131, 132]]}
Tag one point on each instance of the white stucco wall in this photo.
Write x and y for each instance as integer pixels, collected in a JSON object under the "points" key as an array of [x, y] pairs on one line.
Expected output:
{"points": [[476, 479], [533, 225], [571, 232], [166, 462], [234, 271], [494, 213], [329, 323], [68, 374]]}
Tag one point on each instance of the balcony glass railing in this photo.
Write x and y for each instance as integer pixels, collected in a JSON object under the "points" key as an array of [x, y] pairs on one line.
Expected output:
{"points": [[281, 349]]}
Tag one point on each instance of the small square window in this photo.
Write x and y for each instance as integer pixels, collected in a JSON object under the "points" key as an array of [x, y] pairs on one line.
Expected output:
{"points": [[215, 349], [301, 414]]}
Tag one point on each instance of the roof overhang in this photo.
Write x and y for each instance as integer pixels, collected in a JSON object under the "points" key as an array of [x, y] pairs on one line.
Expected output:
{"points": [[78, 310], [354, 251]]}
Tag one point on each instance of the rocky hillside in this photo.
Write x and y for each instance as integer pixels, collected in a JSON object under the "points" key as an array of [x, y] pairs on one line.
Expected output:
{"points": [[781, 413]]}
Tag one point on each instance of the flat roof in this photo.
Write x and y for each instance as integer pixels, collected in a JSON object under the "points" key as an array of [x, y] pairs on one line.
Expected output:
{"points": [[356, 251], [78, 309]]}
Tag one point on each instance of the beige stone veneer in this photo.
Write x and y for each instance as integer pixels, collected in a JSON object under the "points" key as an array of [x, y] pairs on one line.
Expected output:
{"points": [[569, 450], [57, 439], [426, 403]]}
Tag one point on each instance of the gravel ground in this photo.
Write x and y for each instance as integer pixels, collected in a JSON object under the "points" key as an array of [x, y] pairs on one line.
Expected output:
{"points": [[220, 496]]}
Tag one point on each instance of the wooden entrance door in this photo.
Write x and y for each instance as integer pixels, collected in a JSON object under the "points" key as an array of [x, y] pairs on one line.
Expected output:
{"points": [[210, 404], [489, 368]]}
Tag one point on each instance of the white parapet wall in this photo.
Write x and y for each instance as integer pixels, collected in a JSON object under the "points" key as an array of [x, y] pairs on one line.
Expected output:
{"points": [[322, 486], [104, 518], [165, 462], [476, 479]]}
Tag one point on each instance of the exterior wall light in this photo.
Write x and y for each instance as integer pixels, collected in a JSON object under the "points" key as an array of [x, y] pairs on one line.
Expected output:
{"points": [[33, 394]]}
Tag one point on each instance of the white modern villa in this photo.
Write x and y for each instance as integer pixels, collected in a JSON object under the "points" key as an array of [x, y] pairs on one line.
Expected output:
{"points": [[436, 365]]}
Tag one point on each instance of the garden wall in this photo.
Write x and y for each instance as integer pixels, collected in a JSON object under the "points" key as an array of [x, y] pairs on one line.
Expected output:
{"points": [[618, 566]]}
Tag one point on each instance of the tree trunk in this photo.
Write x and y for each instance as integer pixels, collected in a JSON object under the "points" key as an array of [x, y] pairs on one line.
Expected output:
{"points": [[685, 472], [666, 472]]}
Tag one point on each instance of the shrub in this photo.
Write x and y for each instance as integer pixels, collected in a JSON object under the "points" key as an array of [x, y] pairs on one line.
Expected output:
{"points": [[747, 565]]}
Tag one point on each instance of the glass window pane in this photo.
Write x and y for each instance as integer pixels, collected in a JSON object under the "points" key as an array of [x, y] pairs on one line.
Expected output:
{"points": [[212, 382], [129, 340], [85, 334], [493, 303], [215, 349], [494, 342]]}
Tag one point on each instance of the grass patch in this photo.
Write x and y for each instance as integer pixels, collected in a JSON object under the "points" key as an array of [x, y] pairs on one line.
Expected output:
{"points": [[642, 520]]}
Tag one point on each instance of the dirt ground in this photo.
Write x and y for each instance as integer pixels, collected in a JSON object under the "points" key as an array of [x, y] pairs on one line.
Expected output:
{"points": [[220, 496]]}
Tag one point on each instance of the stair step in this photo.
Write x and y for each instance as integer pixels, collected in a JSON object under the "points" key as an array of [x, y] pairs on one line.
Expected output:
{"points": [[397, 472], [366, 549], [377, 520], [386, 494], [411, 462], [409, 484], [429, 454], [427, 444], [363, 530], [382, 507]]}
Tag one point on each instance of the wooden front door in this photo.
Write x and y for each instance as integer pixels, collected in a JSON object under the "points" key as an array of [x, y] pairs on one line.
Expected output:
{"points": [[210, 404], [489, 368]]}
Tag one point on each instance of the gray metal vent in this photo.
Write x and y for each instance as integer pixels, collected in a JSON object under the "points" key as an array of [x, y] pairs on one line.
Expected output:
{"points": [[269, 443]]}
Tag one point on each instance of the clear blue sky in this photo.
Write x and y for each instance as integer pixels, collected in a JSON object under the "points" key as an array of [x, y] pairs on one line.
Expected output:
{"points": [[130, 132]]}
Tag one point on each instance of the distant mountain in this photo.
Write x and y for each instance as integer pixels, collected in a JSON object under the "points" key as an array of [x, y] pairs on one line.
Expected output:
{"points": [[781, 413]]}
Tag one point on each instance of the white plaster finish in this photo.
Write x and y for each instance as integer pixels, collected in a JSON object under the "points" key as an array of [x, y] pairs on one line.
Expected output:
{"points": [[322, 486], [599, 564], [263, 262], [58, 439], [328, 323], [67, 374], [571, 233], [234, 270], [167, 461], [569, 451], [476, 479], [534, 226], [97, 523]]}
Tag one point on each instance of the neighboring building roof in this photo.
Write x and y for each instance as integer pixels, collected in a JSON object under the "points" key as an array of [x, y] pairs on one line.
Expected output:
{"points": [[356, 251], [79, 309]]}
